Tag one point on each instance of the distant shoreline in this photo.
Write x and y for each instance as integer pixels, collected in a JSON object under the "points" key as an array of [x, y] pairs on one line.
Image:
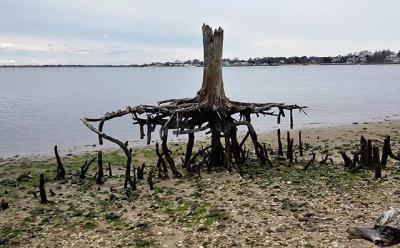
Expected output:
{"points": [[141, 66]]}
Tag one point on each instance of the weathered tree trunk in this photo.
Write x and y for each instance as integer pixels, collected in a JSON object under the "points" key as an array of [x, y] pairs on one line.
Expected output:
{"points": [[212, 91]]}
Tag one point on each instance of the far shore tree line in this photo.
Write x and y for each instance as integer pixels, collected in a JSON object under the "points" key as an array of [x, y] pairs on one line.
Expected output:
{"points": [[363, 57], [380, 56]]}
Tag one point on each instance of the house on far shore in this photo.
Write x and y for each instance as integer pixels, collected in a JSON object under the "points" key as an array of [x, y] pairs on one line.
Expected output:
{"points": [[363, 59], [338, 59], [392, 59]]}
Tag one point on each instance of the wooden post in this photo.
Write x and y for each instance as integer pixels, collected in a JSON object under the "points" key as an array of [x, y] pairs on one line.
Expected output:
{"points": [[100, 173], [386, 150], [300, 145], [128, 178], [109, 169], [347, 161], [60, 167], [289, 152], [42, 191], [168, 157], [280, 150], [376, 163], [363, 152], [189, 150], [150, 179], [369, 157]]}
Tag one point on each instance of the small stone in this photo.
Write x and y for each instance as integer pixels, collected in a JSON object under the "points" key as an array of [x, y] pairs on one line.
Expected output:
{"points": [[202, 228]]}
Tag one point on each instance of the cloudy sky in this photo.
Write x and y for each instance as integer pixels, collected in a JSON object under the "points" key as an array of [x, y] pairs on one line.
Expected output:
{"points": [[136, 31]]}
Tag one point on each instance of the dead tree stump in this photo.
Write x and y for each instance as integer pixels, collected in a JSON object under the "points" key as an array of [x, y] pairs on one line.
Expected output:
{"points": [[210, 111]]}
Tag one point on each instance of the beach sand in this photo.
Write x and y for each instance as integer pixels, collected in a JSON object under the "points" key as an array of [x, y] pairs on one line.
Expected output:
{"points": [[277, 207]]}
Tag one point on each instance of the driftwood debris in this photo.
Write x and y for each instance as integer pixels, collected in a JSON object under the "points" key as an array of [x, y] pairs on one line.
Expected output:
{"points": [[60, 167], [385, 233], [209, 111]]}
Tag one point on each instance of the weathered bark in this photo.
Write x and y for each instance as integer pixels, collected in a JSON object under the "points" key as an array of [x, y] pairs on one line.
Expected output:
{"points": [[60, 167], [212, 91], [42, 191]]}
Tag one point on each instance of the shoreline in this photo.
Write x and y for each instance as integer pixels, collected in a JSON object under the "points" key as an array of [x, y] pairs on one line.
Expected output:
{"points": [[282, 206], [268, 137]]}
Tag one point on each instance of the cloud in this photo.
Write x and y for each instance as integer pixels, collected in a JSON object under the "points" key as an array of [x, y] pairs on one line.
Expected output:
{"points": [[124, 52], [88, 31]]}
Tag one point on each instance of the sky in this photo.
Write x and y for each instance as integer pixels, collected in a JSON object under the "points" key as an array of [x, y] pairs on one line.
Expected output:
{"points": [[143, 31]]}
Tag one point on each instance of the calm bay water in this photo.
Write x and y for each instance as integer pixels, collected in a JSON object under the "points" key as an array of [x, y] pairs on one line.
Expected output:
{"points": [[41, 107]]}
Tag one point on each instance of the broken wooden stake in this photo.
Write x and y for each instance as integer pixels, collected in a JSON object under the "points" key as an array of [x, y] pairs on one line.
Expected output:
{"points": [[150, 179], [289, 152], [85, 168], [376, 162], [42, 191], [310, 162], [100, 172], [300, 145], [60, 167], [347, 161], [109, 169], [280, 150]]}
